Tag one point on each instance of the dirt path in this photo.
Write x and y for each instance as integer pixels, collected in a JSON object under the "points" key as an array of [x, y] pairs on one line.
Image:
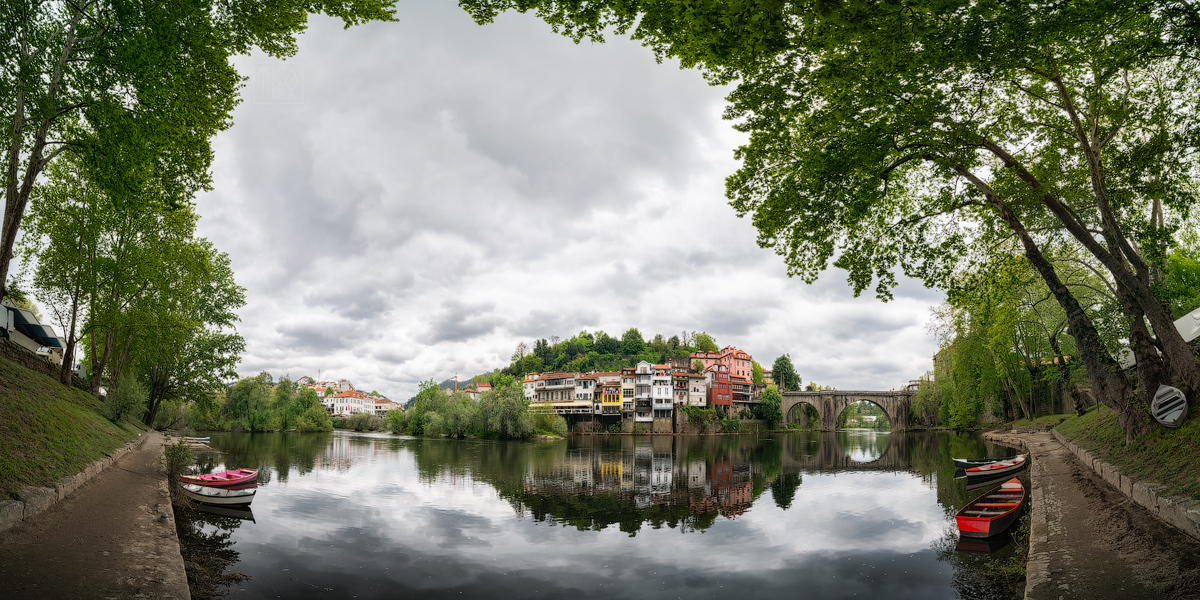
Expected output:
{"points": [[107, 540], [1090, 541]]}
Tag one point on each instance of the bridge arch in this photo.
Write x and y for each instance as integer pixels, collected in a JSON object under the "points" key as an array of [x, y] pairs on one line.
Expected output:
{"points": [[831, 403]]}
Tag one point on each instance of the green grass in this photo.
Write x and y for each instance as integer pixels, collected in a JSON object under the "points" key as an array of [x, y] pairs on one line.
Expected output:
{"points": [[49, 431], [1051, 420], [1167, 456]]}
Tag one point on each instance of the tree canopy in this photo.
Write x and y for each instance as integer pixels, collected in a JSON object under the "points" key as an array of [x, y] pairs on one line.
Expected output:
{"points": [[928, 137]]}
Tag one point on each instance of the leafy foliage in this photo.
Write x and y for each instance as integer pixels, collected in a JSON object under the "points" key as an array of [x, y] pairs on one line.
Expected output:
{"points": [[126, 400]]}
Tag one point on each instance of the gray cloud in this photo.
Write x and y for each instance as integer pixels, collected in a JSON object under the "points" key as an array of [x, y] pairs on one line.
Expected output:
{"points": [[460, 321], [421, 196]]}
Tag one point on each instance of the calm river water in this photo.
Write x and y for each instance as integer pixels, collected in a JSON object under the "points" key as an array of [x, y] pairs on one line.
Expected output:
{"points": [[852, 514]]}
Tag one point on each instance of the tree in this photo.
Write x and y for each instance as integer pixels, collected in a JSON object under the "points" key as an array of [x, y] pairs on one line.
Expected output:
{"points": [[784, 374], [606, 344], [697, 366], [756, 373], [770, 407], [191, 346], [705, 342], [632, 343], [874, 132], [135, 93]]}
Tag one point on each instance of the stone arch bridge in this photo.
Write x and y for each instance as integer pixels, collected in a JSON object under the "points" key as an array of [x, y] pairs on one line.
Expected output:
{"points": [[831, 403]]}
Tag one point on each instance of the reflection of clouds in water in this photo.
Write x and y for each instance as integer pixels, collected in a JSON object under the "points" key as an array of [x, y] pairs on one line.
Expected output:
{"points": [[394, 517], [863, 445]]}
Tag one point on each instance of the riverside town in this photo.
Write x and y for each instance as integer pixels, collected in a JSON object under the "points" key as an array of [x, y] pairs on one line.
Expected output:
{"points": [[542, 299]]}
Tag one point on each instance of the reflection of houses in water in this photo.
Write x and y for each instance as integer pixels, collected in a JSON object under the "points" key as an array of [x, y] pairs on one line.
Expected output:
{"points": [[648, 475]]}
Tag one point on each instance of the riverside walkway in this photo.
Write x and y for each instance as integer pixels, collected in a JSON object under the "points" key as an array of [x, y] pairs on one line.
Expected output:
{"points": [[1090, 541], [106, 540]]}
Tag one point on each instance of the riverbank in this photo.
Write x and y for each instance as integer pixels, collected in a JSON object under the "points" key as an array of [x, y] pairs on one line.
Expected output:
{"points": [[1090, 541]]}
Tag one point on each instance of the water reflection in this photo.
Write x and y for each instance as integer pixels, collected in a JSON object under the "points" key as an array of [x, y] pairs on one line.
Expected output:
{"points": [[378, 515]]}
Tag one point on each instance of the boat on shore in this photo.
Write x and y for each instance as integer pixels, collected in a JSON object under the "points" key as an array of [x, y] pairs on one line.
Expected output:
{"points": [[998, 468], [967, 463], [198, 440], [222, 479], [219, 496], [993, 512]]}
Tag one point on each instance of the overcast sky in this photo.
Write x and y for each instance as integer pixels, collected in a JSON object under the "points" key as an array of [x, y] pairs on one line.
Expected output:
{"points": [[407, 201]]}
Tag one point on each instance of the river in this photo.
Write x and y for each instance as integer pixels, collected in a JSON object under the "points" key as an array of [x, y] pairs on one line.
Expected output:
{"points": [[851, 514]]}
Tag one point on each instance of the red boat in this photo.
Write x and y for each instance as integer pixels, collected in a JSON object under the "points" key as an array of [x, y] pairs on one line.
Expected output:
{"points": [[998, 468], [223, 479], [993, 512]]}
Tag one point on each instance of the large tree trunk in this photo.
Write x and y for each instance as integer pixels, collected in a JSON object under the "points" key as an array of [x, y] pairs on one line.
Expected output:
{"points": [[65, 372], [1064, 373], [98, 365]]}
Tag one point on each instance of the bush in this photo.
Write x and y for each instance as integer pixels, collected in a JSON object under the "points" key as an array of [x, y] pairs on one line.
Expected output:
{"points": [[177, 458], [639, 429], [127, 399], [365, 422], [730, 425], [614, 428], [315, 418], [550, 423]]}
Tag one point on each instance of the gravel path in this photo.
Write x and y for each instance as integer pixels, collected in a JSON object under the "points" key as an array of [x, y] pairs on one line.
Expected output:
{"points": [[1090, 541], [107, 540]]}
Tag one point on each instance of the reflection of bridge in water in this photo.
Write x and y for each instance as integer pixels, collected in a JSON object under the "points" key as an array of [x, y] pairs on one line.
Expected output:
{"points": [[831, 403], [820, 452]]}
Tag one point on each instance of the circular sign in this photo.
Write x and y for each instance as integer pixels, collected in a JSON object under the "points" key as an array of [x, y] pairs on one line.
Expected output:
{"points": [[1169, 407]]}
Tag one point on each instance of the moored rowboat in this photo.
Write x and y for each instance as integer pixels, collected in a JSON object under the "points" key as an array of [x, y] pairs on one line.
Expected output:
{"points": [[198, 440], [998, 468], [220, 496], [967, 463], [222, 479], [992, 512]]}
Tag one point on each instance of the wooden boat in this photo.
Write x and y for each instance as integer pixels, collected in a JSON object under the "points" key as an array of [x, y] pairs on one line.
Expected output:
{"points": [[221, 496], [998, 468], [992, 513], [967, 463], [222, 479], [198, 440]]}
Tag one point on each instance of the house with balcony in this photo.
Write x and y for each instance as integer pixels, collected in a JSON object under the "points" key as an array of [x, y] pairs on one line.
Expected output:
{"points": [[719, 393], [741, 393], [642, 395], [627, 390], [530, 384], [556, 392], [679, 388], [739, 362], [661, 394], [607, 399]]}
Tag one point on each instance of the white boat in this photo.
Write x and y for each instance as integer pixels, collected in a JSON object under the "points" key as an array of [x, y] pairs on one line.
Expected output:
{"points": [[220, 496]]}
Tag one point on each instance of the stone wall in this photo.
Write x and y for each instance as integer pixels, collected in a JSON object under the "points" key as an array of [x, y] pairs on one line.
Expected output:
{"points": [[33, 500], [22, 356], [1183, 513]]}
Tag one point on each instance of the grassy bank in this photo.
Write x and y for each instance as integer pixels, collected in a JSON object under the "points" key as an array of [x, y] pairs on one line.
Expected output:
{"points": [[49, 431], [1167, 456]]}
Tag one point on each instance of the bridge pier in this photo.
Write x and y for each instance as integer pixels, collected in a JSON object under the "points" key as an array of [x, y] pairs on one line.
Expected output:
{"points": [[831, 403]]}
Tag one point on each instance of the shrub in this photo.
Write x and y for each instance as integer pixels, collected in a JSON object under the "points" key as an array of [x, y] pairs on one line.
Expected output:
{"points": [[639, 429], [614, 428], [127, 399], [315, 418], [365, 422], [177, 458], [730, 425], [547, 422]]}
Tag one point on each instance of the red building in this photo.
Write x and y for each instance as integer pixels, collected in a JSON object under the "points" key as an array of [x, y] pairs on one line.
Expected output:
{"points": [[719, 392]]}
